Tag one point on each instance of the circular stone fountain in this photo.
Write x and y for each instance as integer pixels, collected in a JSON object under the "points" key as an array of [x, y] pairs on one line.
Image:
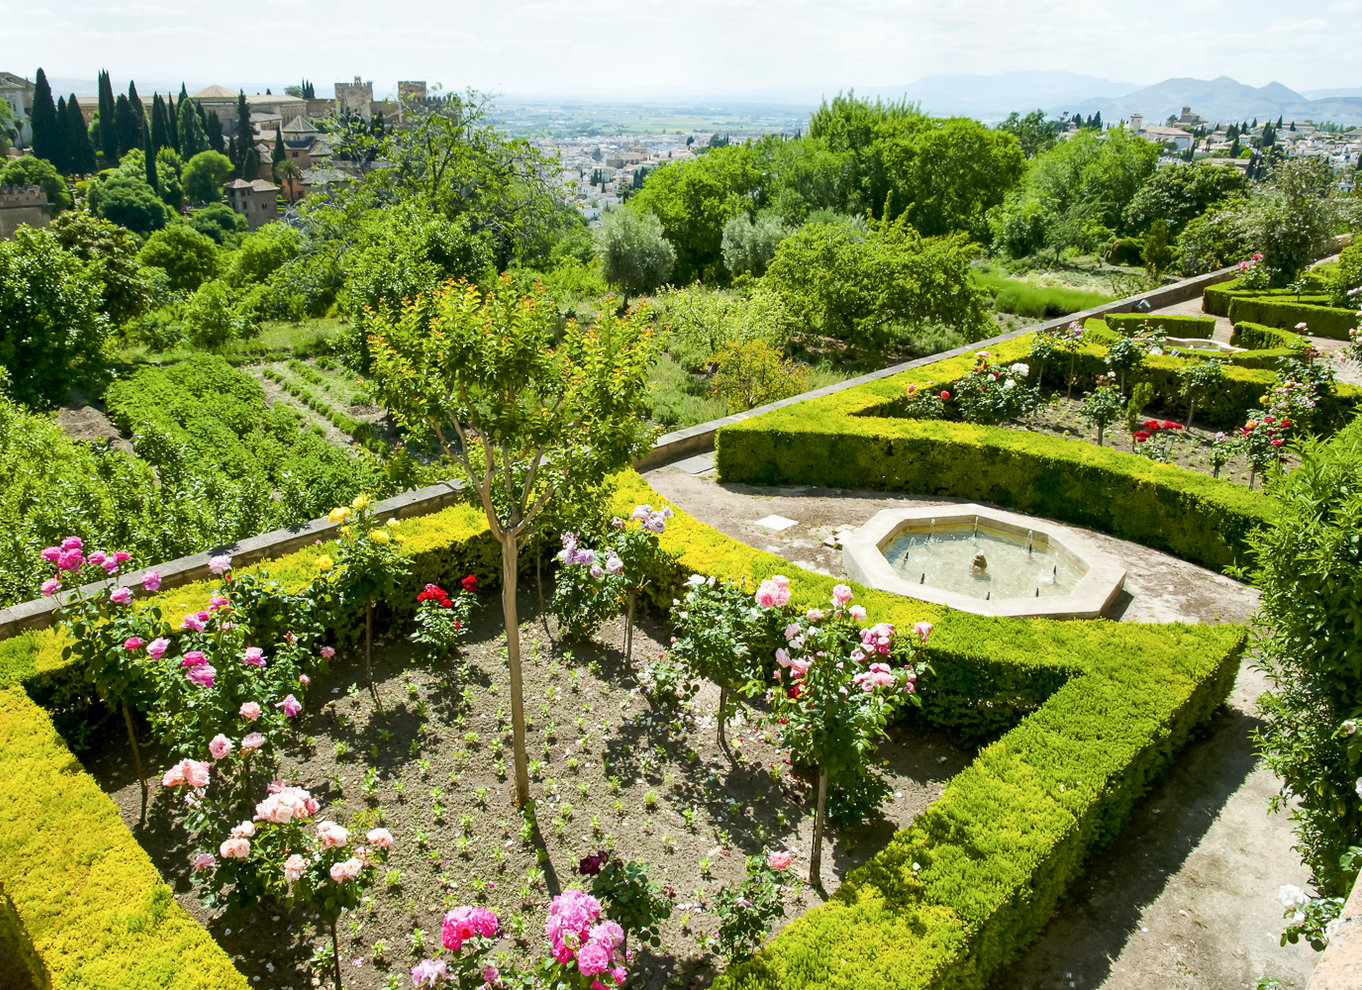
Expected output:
{"points": [[985, 561]]}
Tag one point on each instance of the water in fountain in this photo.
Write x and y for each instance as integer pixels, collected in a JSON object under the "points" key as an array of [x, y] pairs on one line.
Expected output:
{"points": [[1015, 567]]}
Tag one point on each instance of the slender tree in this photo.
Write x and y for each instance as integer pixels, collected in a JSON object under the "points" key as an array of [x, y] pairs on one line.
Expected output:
{"points": [[47, 137], [61, 157], [149, 163], [172, 123], [245, 134], [108, 127], [78, 147], [250, 164], [160, 127], [212, 125], [192, 138], [279, 153], [127, 126]]}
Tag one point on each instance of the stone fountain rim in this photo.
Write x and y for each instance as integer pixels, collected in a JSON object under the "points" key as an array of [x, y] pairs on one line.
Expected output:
{"points": [[1102, 580]]}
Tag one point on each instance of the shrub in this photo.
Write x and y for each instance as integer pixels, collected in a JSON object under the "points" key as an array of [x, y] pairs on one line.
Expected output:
{"points": [[1287, 313], [1173, 325]]}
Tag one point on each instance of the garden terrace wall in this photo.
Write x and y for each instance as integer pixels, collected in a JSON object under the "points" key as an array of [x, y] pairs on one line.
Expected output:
{"points": [[855, 440]]}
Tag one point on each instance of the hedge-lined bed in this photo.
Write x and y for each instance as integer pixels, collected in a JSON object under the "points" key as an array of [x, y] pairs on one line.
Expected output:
{"points": [[1283, 309], [1173, 324]]}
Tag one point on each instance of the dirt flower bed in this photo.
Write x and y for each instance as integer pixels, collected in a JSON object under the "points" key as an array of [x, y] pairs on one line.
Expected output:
{"points": [[427, 756]]}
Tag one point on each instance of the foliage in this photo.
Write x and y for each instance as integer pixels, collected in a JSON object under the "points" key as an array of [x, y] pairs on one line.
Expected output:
{"points": [[1179, 193], [1034, 132], [1196, 380], [749, 243], [1215, 239], [1345, 278], [1307, 567], [629, 894], [220, 222], [1103, 405], [633, 253], [127, 201], [440, 619], [747, 910], [52, 329], [29, 170], [111, 251], [991, 393], [873, 289], [261, 254], [752, 373], [204, 175], [188, 257], [214, 315], [699, 322]]}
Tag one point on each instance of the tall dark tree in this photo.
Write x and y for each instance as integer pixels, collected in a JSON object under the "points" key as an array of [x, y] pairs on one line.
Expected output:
{"points": [[108, 121], [172, 123], [79, 150], [279, 153], [127, 126], [63, 157], [250, 164], [192, 138], [245, 135], [47, 136], [149, 160], [160, 125], [212, 125]]}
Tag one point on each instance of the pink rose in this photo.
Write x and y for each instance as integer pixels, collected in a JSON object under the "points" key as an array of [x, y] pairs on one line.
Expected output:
{"points": [[841, 594], [923, 629], [216, 602], [327, 652], [250, 710], [151, 581], [342, 872], [235, 848], [51, 554], [192, 622], [219, 747], [255, 657], [857, 612], [294, 867], [51, 586], [304, 680], [285, 804], [193, 658], [122, 557], [110, 566], [191, 772], [157, 648], [463, 923], [428, 973], [203, 861], [592, 959], [72, 543], [132, 643], [290, 705], [332, 835], [97, 558], [244, 831], [251, 742], [203, 675], [609, 934], [219, 564], [773, 594], [490, 975], [380, 837], [779, 860]]}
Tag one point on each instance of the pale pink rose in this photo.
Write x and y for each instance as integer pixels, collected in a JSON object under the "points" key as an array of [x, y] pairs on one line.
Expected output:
{"points": [[251, 742], [773, 593], [202, 675], [341, 872], [779, 860], [783, 657], [216, 602], [291, 706], [244, 831], [857, 612], [235, 848], [304, 680], [923, 629], [255, 657], [191, 772], [380, 837], [192, 622], [51, 586], [285, 804], [841, 594], [327, 652], [429, 973], [250, 710], [332, 835], [219, 564], [203, 861], [294, 867], [219, 747], [151, 581], [120, 596], [157, 648]]}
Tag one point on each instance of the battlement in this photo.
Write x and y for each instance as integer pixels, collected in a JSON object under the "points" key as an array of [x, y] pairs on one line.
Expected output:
{"points": [[13, 197]]}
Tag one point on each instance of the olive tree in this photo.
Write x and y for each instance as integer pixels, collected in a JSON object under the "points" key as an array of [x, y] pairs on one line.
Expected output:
{"points": [[529, 413], [634, 254]]}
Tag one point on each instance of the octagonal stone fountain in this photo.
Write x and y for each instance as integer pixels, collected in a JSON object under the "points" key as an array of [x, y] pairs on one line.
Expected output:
{"points": [[985, 561]]}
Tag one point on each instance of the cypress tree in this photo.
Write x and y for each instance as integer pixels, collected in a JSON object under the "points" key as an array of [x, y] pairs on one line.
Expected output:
{"points": [[160, 137], [172, 123], [78, 147], [245, 135], [108, 121], [250, 164], [127, 128], [43, 121], [192, 138], [63, 161], [149, 158], [232, 154], [279, 153], [212, 124]]}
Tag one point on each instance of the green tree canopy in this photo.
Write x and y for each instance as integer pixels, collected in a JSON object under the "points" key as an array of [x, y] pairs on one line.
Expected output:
{"points": [[1180, 192], [29, 170], [52, 327], [127, 201], [634, 254], [220, 222], [111, 252], [1034, 132], [261, 254], [204, 175], [187, 257]]}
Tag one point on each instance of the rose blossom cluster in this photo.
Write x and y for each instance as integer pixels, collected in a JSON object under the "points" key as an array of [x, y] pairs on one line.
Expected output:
{"points": [[578, 935], [653, 520], [465, 923], [69, 556], [774, 592]]}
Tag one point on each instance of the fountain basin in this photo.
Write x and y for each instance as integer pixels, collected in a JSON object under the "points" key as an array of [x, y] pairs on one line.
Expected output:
{"points": [[1033, 567], [1199, 344]]}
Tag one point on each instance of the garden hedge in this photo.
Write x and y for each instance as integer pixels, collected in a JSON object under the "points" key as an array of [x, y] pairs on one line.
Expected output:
{"points": [[1286, 314], [1173, 324], [1256, 336]]}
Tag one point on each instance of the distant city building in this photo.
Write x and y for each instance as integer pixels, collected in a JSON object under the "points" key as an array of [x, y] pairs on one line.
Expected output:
{"points": [[1175, 136], [23, 205], [356, 97], [18, 93], [1189, 120], [256, 200], [412, 90]]}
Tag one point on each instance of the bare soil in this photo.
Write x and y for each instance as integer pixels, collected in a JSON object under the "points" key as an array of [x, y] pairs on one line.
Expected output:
{"points": [[429, 758]]}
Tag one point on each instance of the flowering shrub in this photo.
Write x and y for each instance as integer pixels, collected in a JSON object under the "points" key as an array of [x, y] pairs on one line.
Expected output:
{"points": [[1156, 439], [632, 897], [747, 910], [925, 401], [1223, 447], [1103, 405], [1262, 441], [440, 619], [992, 394], [1129, 350], [369, 565], [1048, 344], [1251, 273]]}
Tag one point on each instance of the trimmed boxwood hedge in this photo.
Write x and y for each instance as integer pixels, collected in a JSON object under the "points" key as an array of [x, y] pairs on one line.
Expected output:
{"points": [[1285, 314], [1173, 324], [948, 902], [1256, 336]]}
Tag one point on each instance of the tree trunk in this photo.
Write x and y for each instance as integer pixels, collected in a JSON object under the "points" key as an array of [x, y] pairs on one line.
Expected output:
{"points": [[335, 952], [136, 762], [1191, 410], [1100, 431], [723, 714], [629, 633], [510, 553], [820, 814]]}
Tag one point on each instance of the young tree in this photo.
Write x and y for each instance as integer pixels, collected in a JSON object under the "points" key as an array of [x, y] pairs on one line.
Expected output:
{"points": [[204, 175], [633, 252], [528, 412]]}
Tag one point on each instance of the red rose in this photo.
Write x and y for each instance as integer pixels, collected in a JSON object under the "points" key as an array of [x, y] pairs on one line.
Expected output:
{"points": [[470, 583], [945, 396]]}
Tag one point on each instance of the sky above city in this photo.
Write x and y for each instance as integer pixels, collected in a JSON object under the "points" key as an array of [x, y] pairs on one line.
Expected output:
{"points": [[645, 49]]}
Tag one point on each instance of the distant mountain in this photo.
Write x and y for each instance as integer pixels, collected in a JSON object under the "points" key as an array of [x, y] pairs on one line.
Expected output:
{"points": [[1326, 94], [993, 97], [1222, 99]]}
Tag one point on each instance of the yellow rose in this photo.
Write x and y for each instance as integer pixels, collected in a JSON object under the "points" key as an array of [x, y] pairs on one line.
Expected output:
{"points": [[345, 531], [338, 515], [325, 563], [379, 535], [392, 523], [360, 503]]}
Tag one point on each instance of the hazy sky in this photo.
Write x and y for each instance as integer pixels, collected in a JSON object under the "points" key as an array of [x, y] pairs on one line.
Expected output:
{"points": [[645, 48]]}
